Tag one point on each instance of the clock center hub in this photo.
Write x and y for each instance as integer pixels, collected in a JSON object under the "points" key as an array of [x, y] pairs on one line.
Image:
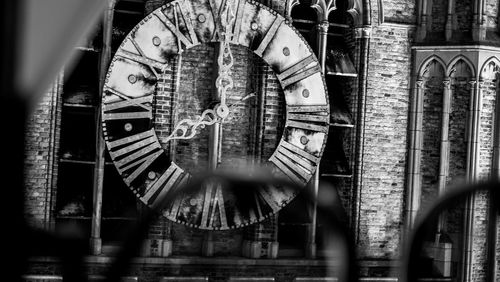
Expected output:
{"points": [[222, 111]]}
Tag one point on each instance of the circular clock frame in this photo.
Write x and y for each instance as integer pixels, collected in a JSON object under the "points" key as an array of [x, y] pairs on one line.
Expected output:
{"points": [[129, 94]]}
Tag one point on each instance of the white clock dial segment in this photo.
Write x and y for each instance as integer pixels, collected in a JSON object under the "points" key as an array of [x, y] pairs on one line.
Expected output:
{"points": [[131, 116]]}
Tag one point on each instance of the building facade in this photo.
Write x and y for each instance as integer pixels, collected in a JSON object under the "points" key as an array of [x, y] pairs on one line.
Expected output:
{"points": [[412, 87]]}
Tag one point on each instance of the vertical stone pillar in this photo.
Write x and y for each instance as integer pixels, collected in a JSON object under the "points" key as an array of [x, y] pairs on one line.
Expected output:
{"points": [[493, 218], [449, 20], [445, 144], [323, 9], [98, 185], [479, 21], [414, 176], [442, 250], [472, 164], [422, 29], [444, 156]]}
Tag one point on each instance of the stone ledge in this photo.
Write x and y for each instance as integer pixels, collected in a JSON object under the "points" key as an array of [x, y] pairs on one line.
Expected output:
{"points": [[196, 261]]}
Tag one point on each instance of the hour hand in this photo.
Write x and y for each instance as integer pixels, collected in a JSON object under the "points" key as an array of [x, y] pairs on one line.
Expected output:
{"points": [[187, 128]]}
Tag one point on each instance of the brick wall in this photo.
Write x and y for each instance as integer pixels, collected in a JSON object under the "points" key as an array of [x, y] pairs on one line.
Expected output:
{"points": [[484, 169], [463, 15], [439, 12], [40, 173], [491, 10], [459, 107], [460, 100], [399, 11], [383, 177], [433, 107], [498, 248]]}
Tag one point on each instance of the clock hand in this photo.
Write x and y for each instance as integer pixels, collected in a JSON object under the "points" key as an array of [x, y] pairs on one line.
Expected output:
{"points": [[225, 61], [186, 128], [232, 106]]}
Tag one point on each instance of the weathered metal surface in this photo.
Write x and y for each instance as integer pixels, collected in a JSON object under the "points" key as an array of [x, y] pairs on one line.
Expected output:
{"points": [[131, 86]]}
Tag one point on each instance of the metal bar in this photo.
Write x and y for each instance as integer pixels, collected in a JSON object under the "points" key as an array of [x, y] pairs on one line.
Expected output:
{"points": [[98, 184]]}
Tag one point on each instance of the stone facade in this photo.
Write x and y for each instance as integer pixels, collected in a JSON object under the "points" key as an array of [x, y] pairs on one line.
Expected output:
{"points": [[395, 58]]}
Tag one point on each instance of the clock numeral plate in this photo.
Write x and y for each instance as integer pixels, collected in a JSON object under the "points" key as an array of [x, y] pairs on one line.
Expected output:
{"points": [[189, 38], [301, 70], [294, 162], [173, 177], [214, 211], [134, 154]]}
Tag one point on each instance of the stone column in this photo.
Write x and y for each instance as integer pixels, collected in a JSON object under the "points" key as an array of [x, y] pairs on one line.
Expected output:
{"points": [[479, 21], [449, 20], [98, 185], [472, 164], [323, 9], [445, 144], [422, 29], [414, 177]]}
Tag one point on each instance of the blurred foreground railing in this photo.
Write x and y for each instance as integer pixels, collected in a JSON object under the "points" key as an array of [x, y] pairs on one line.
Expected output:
{"points": [[72, 249]]}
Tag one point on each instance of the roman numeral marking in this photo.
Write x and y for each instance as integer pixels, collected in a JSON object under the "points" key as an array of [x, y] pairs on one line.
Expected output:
{"points": [[267, 199], [127, 102], [314, 118], [174, 28], [217, 14], [307, 126], [296, 163], [142, 58], [210, 205], [174, 210], [140, 151], [139, 102], [238, 20], [299, 71], [269, 36], [157, 190]]}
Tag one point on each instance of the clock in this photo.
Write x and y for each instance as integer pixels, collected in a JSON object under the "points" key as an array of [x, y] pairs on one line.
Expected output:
{"points": [[130, 96]]}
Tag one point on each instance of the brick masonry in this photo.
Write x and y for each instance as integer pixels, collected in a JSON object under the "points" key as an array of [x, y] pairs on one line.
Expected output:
{"points": [[382, 192], [399, 11], [491, 9], [433, 106], [383, 180], [42, 135]]}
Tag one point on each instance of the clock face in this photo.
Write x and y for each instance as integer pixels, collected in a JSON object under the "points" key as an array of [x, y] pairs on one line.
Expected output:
{"points": [[134, 85]]}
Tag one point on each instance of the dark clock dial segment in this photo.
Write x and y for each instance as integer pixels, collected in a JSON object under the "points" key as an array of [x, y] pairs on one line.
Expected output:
{"points": [[130, 111]]}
